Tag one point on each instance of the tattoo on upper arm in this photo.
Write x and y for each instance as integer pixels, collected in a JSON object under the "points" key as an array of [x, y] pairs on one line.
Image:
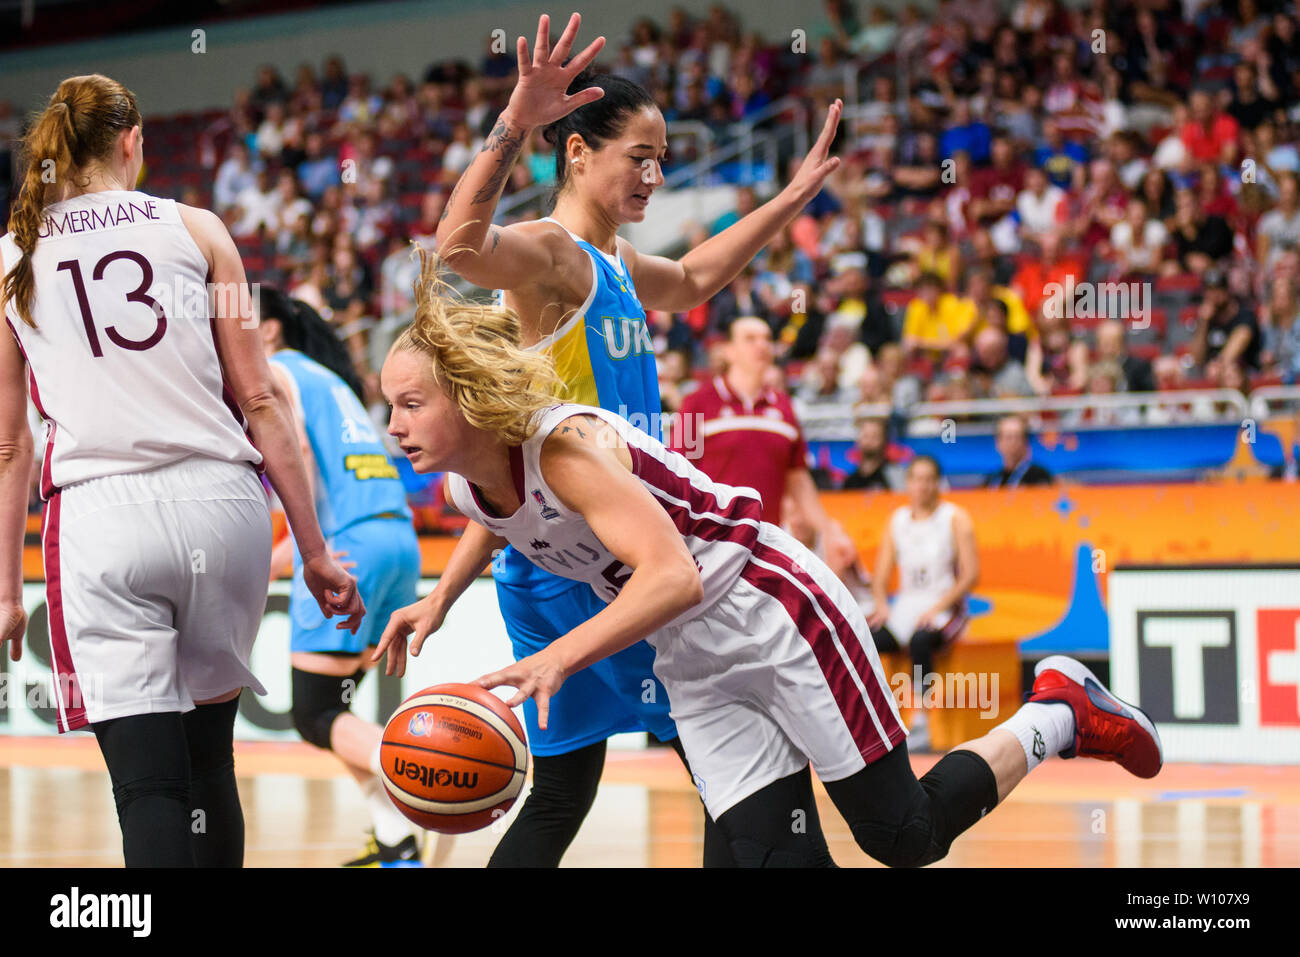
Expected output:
{"points": [[496, 238]]}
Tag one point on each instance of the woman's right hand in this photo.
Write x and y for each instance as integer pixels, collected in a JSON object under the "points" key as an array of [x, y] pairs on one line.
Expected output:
{"points": [[13, 626], [422, 619], [334, 590], [540, 96], [878, 617]]}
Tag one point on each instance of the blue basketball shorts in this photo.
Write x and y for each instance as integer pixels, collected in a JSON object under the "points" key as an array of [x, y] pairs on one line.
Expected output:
{"points": [[619, 693]]}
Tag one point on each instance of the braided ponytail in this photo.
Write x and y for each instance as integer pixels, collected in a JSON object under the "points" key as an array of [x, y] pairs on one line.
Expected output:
{"points": [[77, 128]]}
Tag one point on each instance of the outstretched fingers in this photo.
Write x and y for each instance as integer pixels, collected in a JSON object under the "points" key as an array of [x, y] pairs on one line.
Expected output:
{"points": [[542, 46], [521, 56], [565, 42], [583, 59]]}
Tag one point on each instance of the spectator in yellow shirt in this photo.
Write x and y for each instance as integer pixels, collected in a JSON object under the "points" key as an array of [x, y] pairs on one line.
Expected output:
{"points": [[1012, 317], [936, 322]]}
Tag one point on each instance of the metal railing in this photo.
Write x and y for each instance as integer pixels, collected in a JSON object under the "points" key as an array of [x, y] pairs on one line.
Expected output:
{"points": [[1262, 401], [743, 142], [836, 421]]}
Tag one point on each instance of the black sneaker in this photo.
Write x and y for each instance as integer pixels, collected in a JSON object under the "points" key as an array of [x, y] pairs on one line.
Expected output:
{"points": [[405, 854]]}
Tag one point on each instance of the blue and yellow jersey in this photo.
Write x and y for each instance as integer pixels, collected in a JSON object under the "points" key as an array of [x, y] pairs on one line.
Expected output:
{"points": [[355, 479], [605, 356]]}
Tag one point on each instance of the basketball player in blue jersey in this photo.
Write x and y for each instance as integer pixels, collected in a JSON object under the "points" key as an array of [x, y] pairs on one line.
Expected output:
{"points": [[581, 293], [361, 505]]}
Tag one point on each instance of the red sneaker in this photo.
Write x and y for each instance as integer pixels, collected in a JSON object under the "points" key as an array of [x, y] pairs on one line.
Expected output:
{"points": [[1104, 726]]}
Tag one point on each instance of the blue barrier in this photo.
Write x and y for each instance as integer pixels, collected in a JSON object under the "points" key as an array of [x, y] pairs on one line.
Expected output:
{"points": [[1153, 450]]}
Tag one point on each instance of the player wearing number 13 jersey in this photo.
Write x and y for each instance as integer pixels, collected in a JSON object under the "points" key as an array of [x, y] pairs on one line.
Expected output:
{"points": [[156, 532]]}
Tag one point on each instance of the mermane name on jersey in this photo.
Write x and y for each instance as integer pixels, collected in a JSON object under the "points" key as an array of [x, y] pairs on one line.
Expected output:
{"points": [[88, 220]]}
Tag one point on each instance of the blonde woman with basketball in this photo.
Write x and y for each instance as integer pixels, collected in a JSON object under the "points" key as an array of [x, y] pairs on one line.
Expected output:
{"points": [[768, 661]]}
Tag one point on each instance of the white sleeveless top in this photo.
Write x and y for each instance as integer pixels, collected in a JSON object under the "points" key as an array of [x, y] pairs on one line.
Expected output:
{"points": [[122, 363], [926, 552], [719, 523]]}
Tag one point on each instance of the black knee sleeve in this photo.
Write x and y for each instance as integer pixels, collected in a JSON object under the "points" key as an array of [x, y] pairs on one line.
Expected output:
{"points": [[318, 700], [777, 826], [905, 823], [149, 766], [216, 816]]}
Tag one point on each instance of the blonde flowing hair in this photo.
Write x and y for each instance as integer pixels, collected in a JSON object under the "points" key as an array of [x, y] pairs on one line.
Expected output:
{"points": [[77, 128], [474, 354]]}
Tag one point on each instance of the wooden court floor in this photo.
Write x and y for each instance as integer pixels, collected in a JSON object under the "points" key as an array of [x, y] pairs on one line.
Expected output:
{"points": [[56, 809]]}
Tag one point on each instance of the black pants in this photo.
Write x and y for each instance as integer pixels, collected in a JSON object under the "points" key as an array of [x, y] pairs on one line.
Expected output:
{"points": [[922, 647], [174, 786], [564, 787], [898, 820]]}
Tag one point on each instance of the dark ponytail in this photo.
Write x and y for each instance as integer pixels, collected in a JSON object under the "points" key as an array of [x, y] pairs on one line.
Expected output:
{"points": [[305, 331], [595, 122]]}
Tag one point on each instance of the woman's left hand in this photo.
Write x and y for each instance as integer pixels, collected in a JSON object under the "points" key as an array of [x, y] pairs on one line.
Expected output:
{"points": [[537, 676], [818, 164]]}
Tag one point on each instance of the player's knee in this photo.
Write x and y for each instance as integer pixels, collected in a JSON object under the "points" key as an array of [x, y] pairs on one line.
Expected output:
{"points": [[318, 700], [749, 852], [910, 844], [153, 787]]}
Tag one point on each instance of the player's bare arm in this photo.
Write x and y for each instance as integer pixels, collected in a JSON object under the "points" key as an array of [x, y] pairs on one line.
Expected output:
{"points": [[968, 566], [588, 467], [245, 366], [841, 552], [421, 619], [678, 285], [497, 257], [880, 580], [16, 448]]}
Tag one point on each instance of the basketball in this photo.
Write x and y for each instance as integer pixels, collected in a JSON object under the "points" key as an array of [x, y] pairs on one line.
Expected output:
{"points": [[454, 758]]}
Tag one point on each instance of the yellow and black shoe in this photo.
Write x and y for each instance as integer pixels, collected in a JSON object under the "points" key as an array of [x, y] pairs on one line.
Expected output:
{"points": [[405, 854]]}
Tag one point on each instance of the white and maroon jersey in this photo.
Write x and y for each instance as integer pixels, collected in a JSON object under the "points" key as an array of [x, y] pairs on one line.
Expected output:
{"points": [[719, 523], [122, 362], [925, 551]]}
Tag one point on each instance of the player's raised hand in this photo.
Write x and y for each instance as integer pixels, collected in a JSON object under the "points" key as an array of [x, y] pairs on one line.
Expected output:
{"points": [[421, 618], [13, 625], [818, 164], [537, 677], [334, 590], [540, 96]]}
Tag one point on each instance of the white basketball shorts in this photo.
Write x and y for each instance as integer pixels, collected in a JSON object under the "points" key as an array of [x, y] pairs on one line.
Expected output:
{"points": [[156, 584], [779, 673]]}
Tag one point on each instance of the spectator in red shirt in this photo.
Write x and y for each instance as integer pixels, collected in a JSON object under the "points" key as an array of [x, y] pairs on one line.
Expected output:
{"points": [[993, 190], [1210, 135], [740, 432], [1035, 279]]}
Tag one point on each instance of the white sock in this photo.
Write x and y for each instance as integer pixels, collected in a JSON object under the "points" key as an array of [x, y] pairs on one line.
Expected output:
{"points": [[1042, 728], [391, 827]]}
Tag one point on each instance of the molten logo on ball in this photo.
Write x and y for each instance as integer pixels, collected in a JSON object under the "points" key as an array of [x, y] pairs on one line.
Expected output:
{"points": [[434, 776], [454, 758]]}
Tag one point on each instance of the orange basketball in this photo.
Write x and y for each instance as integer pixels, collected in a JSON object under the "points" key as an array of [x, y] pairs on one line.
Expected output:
{"points": [[453, 758]]}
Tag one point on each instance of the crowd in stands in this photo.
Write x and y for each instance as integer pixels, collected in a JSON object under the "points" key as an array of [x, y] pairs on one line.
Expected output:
{"points": [[1059, 200]]}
